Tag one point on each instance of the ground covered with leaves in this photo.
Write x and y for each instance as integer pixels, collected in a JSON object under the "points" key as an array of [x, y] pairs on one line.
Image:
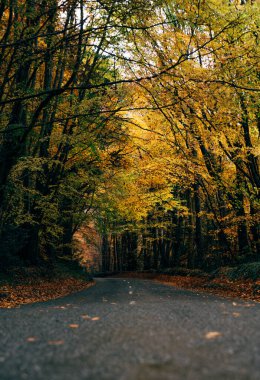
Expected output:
{"points": [[24, 285], [20, 286], [222, 286], [225, 283]]}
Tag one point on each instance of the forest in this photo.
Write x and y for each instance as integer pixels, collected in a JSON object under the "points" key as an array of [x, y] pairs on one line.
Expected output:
{"points": [[138, 117]]}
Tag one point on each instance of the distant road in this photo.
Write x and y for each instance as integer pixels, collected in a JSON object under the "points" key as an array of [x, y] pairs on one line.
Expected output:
{"points": [[131, 330]]}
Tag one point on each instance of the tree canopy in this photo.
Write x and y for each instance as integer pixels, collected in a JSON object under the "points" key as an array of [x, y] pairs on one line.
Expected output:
{"points": [[141, 117]]}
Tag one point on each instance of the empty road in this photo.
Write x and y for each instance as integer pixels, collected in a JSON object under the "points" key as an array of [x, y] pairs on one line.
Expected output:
{"points": [[131, 329]]}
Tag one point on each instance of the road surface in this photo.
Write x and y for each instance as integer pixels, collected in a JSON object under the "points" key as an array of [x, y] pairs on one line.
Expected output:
{"points": [[131, 329]]}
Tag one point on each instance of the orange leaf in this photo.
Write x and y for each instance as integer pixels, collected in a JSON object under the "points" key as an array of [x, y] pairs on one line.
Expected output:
{"points": [[212, 335], [31, 339], [56, 342]]}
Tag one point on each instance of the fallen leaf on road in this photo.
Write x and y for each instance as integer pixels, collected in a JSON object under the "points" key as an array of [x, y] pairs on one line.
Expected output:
{"points": [[56, 342], [95, 318], [236, 315], [85, 317], [73, 326], [31, 339], [212, 335]]}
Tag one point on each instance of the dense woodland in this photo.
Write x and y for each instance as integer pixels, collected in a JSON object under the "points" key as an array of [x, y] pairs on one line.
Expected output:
{"points": [[140, 116]]}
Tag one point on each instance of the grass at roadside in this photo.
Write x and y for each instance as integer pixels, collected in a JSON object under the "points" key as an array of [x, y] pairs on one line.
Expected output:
{"points": [[24, 285]]}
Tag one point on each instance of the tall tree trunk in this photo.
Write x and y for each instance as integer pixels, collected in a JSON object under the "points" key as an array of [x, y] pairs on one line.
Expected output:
{"points": [[105, 253], [198, 229]]}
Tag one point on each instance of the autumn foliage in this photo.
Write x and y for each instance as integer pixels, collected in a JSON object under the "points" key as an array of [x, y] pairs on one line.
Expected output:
{"points": [[141, 121]]}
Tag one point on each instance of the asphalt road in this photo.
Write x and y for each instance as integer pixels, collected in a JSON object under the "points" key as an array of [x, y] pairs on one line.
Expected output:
{"points": [[131, 330]]}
